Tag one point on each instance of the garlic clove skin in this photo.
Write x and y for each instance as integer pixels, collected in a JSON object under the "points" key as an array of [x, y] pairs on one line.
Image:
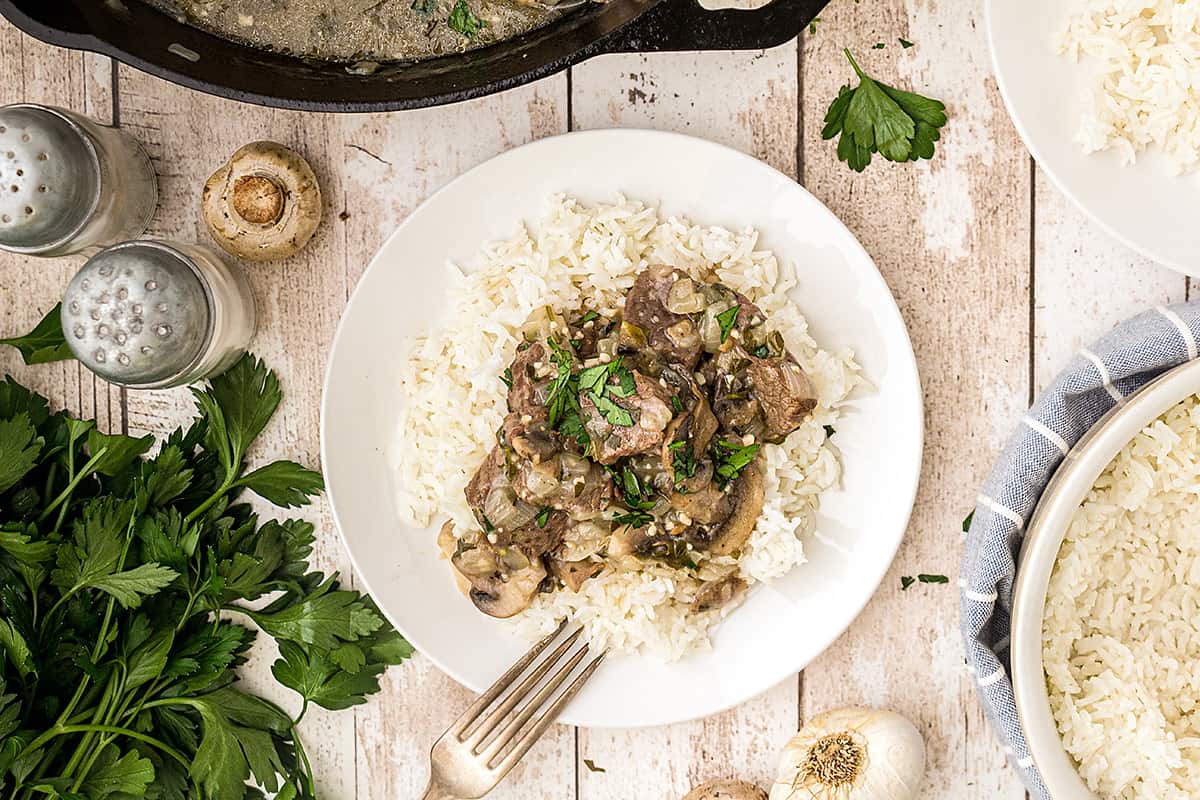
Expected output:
{"points": [[852, 754]]}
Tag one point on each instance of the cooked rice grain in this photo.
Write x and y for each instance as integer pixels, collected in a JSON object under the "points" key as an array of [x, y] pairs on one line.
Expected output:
{"points": [[1120, 639]]}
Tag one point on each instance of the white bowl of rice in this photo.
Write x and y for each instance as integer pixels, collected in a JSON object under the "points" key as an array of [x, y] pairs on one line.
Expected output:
{"points": [[1106, 607]]}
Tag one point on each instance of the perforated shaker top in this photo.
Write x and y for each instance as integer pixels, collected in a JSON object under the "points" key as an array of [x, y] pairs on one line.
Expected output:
{"points": [[49, 178], [137, 313]]}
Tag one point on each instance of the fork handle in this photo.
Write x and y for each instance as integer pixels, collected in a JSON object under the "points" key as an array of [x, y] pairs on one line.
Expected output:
{"points": [[435, 791]]}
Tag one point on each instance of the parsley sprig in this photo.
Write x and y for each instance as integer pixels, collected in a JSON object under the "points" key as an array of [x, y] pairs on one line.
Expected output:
{"points": [[731, 458], [876, 118], [131, 589]]}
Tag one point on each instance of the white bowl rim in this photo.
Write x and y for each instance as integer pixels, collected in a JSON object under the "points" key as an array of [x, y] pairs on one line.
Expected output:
{"points": [[1039, 552]]}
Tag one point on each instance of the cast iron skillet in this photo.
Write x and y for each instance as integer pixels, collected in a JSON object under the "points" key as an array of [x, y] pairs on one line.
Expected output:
{"points": [[143, 37]]}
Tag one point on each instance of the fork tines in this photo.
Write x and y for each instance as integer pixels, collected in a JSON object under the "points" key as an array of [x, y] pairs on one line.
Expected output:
{"points": [[495, 710]]}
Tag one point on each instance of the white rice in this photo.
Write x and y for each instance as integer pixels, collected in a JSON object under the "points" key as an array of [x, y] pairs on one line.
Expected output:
{"points": [[1120, 639], [1147, 83], [453, 402]]}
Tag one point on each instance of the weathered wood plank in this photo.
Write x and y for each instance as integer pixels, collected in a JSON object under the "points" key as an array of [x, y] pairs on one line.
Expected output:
{"points": [[952, 239], [373, 170], [1085, 282], [747, 101], [34, 72]]}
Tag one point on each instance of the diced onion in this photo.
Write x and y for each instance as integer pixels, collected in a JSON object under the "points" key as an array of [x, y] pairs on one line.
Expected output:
{"points": [[475, 563], [632, 336], [583, 540], [682, 298], [505, 512], [541, 480], [683, 334], [710, 327]]}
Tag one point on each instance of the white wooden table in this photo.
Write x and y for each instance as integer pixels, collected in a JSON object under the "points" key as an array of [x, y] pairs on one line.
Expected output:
{"points": [[998, 278]]}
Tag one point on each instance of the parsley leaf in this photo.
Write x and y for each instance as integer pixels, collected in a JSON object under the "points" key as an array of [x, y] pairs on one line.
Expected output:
{"points": [[925, 578], [906, 581], [731, 458], [877, 118], [591, 765], [615, 414], [829, 431], [590, 316], [634, 519], [966, 525], [19, 449], [45, 342], [506, 377], [560, 395], [727, 319], [542, 517], [463, 21], [284, 483], [905, 43]]}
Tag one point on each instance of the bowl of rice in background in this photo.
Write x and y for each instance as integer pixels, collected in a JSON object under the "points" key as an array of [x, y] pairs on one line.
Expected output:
{"points": [[1104, 95], [1106, 604], [413, 397]]}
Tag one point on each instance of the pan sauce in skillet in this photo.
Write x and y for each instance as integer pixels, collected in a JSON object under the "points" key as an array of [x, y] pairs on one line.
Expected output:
{"points": [[361, 30]]}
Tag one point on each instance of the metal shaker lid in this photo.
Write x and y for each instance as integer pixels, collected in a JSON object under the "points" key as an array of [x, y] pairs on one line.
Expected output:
{"points": [[138, 313], [49, 178]]}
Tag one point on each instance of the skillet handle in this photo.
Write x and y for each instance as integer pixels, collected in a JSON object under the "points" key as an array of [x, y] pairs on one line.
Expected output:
{"points": [[676, 25]]}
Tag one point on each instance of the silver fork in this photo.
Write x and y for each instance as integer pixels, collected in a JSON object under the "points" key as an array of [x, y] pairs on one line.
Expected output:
{"points": [[468, 761]]}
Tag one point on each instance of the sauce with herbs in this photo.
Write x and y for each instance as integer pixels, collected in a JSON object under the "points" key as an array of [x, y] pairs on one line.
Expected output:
{"points": [[361, 30]]}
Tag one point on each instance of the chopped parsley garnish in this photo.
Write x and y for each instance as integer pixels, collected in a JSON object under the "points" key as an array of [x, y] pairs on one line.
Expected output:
{"points": [[592, 378], [613, 412], [542, 517], [676, 404], [589, 317], [560, 395], [625, 385], [829, 431], [591, 765], [506, 377], [908, 580], [488, 527], [464, 21], [905, 43], [683, 460], [967, 521], [762, 351], [634, 519], [727, 319], [731, 458], [633, 493], [673, 551], [878, 46]]}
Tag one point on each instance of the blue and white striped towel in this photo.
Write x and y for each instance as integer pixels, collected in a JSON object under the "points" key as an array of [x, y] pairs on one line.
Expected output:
{"points": [[1097, 378]]}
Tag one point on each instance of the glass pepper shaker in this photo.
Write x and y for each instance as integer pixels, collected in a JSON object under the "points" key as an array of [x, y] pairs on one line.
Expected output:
{"points": [[68, 184], [153, 315]]}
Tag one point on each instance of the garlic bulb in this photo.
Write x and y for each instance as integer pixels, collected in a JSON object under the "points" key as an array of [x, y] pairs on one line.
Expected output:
{"points": [[852, 754]]}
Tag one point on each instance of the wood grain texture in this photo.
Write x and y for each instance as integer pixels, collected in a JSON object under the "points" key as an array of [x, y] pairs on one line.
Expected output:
{"points": [[1086, 282], [373, 170], [951, 237], [34, 72], [747, 101]]}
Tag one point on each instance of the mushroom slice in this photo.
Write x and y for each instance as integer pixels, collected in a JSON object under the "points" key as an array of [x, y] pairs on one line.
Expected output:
{"points": [[746, 497], [502, 583], [264, 204], [726, 790], [716, 594]]}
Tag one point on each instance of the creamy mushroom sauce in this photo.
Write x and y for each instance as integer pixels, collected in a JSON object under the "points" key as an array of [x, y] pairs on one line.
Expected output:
{"points": [[630, 433], [356, 30]]}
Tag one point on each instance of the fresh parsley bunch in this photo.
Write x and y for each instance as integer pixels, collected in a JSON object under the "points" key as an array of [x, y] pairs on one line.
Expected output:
{"points": [[127, 585], [876, 118]]}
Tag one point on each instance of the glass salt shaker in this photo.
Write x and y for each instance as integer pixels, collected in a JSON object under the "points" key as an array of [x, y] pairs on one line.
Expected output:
{"points": [[68, 184], [153, 315]]}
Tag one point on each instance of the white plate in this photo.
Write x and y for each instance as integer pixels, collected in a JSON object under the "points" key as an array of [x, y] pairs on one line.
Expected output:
{"points": [[1143, 205], [782, 626]]}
